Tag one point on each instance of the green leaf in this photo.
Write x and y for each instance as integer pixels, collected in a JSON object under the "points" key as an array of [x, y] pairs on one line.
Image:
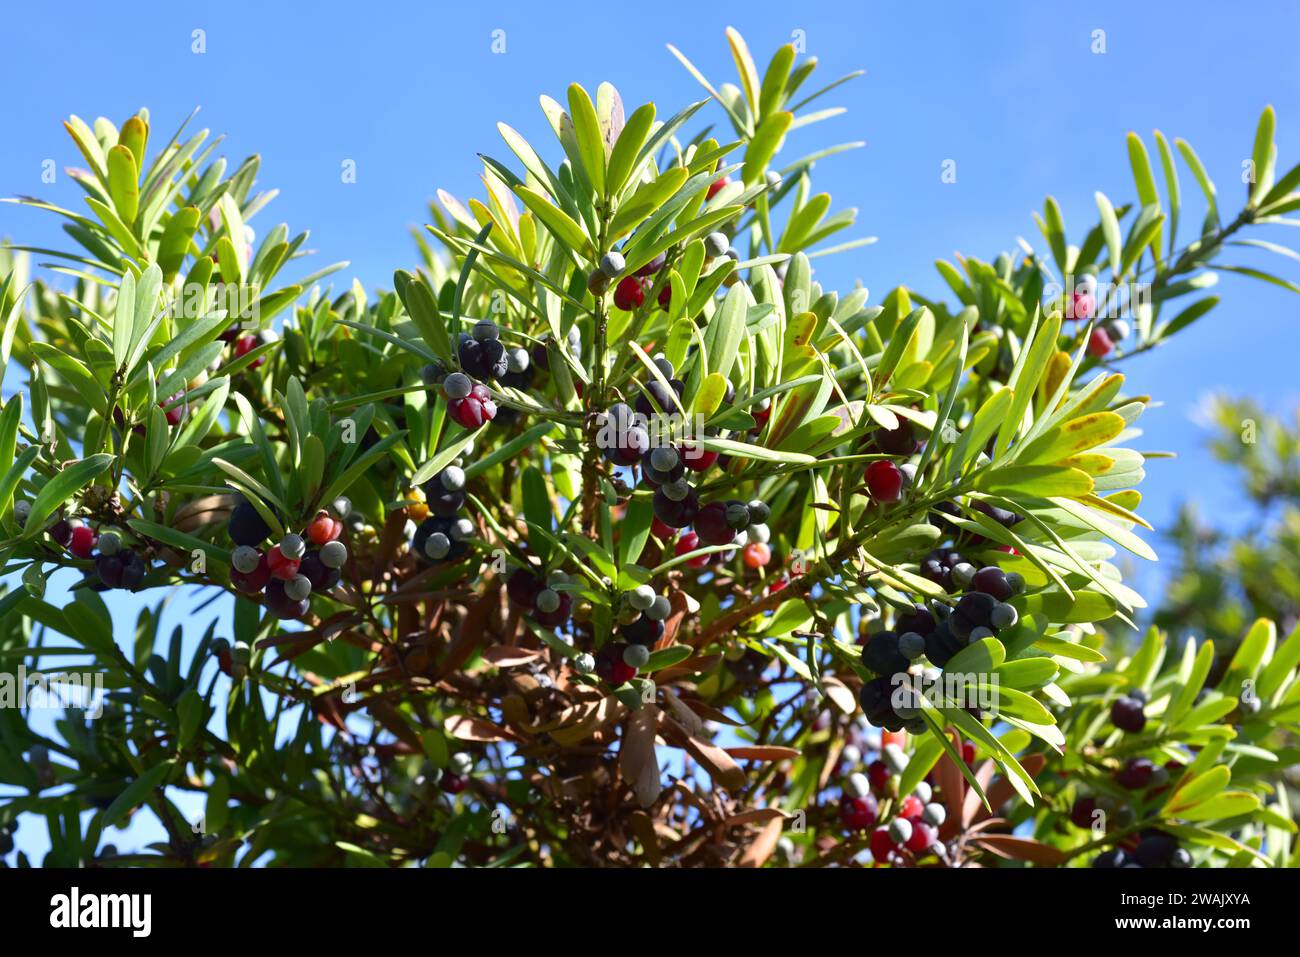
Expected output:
{"points": [[63, 486], [586, 127], [626, 148], [565, 230], [1037, 480], [124, 183], [1261, 156], [640, 205], [137, 792], [1110, 229]]}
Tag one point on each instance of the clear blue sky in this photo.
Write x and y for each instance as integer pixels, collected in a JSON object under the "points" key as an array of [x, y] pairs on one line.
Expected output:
{"points": [[1010, 91]]}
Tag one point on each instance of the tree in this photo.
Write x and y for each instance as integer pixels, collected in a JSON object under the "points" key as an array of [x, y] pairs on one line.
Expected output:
{"points": [[556, 553]]}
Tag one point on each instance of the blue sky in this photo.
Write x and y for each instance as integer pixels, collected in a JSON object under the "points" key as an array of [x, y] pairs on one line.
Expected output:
{"points": [[1010, 91]]}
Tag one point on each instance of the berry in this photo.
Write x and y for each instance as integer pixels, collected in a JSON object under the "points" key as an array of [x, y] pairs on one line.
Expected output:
{"points": [[993, 581], [1181, 858], [82, 542], [1156, 850], [453, 783], [297, 588], [548, 601], [911, 645], [922, 838], [941, 644], [884, 481], [245, 559], [655, 397], [629, 294], [474, 410], [934, 814], [319, 575], [1128, 715], [1016, 581], [247, 527], [1003, 616], [457, 385], [636, 656], [716, 186], [881, 654], [282, 566], [900, 829], [653, 266], [882, 845], [1082, 305], [333, 554], [912, 808], [1115, 857], [1118, 330], [280, 604], [918, 619], [711, 525], [676, 514], [610, 666], [641, 597], [523, 587], [612, 264], [321, 529], [176, 412], [858, 813], [665, 297], [756, 555], [689, 542], [1099, 344], [716, 244], [557, 617], [659, 609], [1136, 774], [696, 457], [253, 581], [485, 330], [1081, 813], [643, 631], [899, 441], [878, 774]]}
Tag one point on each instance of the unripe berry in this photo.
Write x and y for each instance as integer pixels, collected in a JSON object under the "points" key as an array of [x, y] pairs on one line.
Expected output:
{"points": [[584, 664], [715, 244], [548, 600], [934, 815], [485, 330], [857, 785], [636, 656], [457, 385], [1004, 616], [911, 645], [900, 829], [759, 512], [612, 264], [297, 588], [437, 546], [245, 559], [110, 543], [760, 533], [659, 609], [333, 554], [641, 597]]}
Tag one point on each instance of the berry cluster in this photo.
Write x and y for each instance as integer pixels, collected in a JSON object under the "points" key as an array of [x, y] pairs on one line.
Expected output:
{"points": [[291, 570], [116, 564], [547, 601], [1153, 849], [910, 829], [443, 536]]}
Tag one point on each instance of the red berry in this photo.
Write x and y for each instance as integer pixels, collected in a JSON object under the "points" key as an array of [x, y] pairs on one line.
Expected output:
{"points": [[610, 665], [711, 525], [453, 783], [778, 585], [968, 752], [717, 185], [661, 531], [665, 296], [1083, 305], [246, 344], [629, 294], [923, 836], [697, 458], [756, 555], [82, 543], [911, 808], [878, 775], [760, 418], [884, 481], [1099, 344], [1127, 714], [1136, 774], [1082, 811], [893, 737], [882, 845], [321, 529], [523, 587], [473, 410], [858, 813], [688, 542], [281, 567], [176, 413]]}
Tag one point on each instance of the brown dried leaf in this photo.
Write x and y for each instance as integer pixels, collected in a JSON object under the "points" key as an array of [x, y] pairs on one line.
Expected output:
{"points": [[463, 727], [845, 701], [505, 656], [769, 752], [1021, 849], [716, 762], [761, 848]]}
